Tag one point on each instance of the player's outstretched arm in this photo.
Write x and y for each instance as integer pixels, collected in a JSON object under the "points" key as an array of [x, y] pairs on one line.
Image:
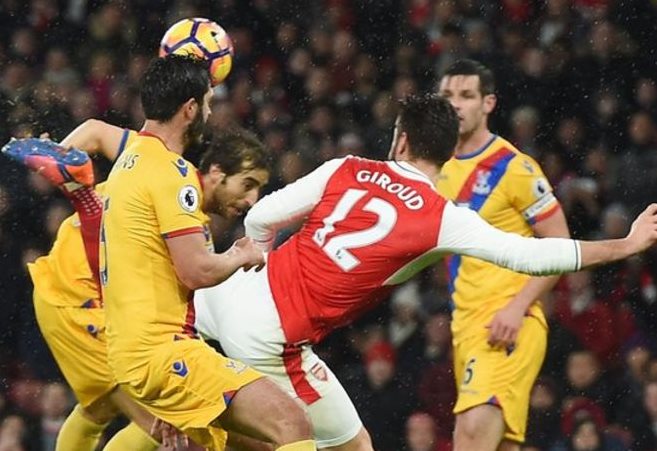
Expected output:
{"points": [[196, 267], [464, 232], [95, 136], [643, 234]]}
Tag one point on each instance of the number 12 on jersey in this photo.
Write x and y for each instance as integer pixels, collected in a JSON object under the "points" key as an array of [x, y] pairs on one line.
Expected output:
{"points": [[338, 246]]}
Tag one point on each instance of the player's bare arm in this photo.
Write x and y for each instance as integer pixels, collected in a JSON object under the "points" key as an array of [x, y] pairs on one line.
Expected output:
{"points": [[95, 136], [464, 232], [642, 235], [197, 268], [507, 322]]}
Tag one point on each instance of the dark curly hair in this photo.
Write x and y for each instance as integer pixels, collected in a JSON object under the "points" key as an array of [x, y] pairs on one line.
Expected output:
{"points": [[234, 150], [171, 81], [431, 125]]}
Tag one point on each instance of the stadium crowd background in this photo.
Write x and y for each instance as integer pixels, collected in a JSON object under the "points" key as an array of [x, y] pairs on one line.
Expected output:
{"points": [[577, 89]]}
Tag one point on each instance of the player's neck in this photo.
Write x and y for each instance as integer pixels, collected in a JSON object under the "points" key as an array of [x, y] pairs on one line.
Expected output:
{"points": [[170, 136], [470, 143], [428, 168]]}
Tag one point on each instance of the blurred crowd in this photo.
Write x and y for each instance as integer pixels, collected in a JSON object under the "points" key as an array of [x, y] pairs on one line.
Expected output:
{"points": [[577, 89]]}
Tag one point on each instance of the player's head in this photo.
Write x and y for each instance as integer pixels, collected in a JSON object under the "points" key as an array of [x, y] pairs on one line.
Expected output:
{"points": [[426, 129], [178, 87], [470, 87], [235, 167]]}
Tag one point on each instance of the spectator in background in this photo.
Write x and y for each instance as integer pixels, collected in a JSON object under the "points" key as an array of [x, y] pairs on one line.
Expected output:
{"points": [[644, 424], [421, 434], [586, 385], [13, 434], [544, 416], [435, 382], [590, 320], [638, 167], [382, 401], [404, 328], [55, 406], [588, 436]]}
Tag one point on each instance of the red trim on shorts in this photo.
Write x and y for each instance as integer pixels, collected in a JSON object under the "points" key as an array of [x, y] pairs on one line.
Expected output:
{"points": [[182, 232], [292, 363]]}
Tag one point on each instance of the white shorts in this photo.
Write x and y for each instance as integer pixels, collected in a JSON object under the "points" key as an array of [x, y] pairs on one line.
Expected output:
{"points": [[241, 315]]}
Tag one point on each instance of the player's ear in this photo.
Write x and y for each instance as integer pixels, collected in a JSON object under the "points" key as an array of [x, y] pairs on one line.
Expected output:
{"points": [[403, 147], [190, 108], [217, 175], [490, 100]]}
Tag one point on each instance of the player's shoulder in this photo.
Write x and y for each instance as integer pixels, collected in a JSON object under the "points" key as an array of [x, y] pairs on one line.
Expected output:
{"points": [[521, 163]]}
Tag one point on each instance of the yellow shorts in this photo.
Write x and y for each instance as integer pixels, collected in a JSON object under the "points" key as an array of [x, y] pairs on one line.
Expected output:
{"points": [[486, 375], [76, 338], [188, 384]]}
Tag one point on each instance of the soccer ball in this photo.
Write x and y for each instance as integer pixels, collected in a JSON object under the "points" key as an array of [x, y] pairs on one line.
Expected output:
{"points": [[203, 38]]}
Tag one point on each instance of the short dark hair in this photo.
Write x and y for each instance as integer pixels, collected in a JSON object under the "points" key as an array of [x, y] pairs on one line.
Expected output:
{"points": [[234, 150], [171, 81], [432, 126], [472, 67]]}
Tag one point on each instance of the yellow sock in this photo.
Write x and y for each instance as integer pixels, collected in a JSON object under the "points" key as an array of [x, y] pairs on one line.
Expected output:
{"points": [[304, 445], [78, 433], [132, 437]]}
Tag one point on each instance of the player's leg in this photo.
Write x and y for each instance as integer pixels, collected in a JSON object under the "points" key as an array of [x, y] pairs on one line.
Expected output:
{"points": [[80, 431], [190, 386], [481, 428], [247, 325], [137, 434], [494, 389], [263, 410], [509, 445], [361, 442]]}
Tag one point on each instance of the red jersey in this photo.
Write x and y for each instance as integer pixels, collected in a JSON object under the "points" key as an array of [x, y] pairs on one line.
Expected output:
{"points": [[370, 225]]}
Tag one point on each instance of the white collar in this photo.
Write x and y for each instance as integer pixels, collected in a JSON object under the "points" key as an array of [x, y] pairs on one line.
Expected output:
{"points": [[406, 169]]}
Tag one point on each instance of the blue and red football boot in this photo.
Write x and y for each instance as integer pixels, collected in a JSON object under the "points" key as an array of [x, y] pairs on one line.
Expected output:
{"points": [[59, 165]]}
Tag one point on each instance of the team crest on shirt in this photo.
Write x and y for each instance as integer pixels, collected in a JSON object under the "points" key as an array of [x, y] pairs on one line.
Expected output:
{"points": [[481, 186], [188, 198]]}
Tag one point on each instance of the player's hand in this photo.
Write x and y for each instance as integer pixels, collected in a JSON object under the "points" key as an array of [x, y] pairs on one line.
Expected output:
{"points": [[503, 329], [249, 254], [643, 233], [170, 437]]}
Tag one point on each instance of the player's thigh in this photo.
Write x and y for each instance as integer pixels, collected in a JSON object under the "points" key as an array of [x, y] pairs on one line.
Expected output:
{"points": [[188, 384], [303, 375], [263, 410], [76, 338], [502, 377], [241, 315]]}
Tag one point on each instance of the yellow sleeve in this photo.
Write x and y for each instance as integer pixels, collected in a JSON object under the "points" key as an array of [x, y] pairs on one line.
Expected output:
{"points": [[529, 191], [177, 200]]}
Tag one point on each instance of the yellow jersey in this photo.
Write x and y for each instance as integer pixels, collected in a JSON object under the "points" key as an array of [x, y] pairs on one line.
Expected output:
{"points": [[509, 190], [63, 277], [151, 194]]}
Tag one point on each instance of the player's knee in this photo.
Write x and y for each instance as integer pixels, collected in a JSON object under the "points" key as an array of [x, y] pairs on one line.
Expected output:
{"points": [[100, 412]]}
